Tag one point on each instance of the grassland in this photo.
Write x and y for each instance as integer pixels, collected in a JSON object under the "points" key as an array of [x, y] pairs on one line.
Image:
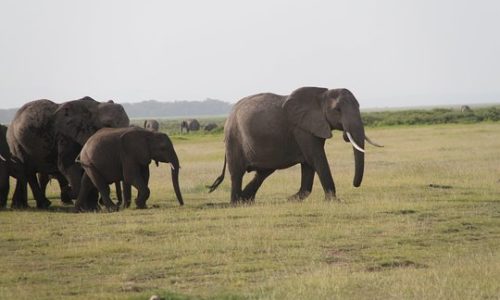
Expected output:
{"points": [[425, 224]]}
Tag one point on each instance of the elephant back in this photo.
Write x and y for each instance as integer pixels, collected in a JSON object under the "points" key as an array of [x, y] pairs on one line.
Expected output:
{"points": [[30, 132]]}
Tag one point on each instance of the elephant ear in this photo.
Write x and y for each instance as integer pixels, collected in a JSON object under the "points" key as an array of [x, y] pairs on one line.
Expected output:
{"points": [[77, 120], [303, 109], [135, 145]]}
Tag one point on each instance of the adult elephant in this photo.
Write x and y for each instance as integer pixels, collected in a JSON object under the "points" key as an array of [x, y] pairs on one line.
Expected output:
{"points": [[112, 155], [266, 132], [46, 137], [210, 126], [190, 125], [152, 125], [11, 167]]}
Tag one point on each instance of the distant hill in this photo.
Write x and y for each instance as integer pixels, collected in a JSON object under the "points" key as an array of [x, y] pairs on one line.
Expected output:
{"points": [[157, 109]]}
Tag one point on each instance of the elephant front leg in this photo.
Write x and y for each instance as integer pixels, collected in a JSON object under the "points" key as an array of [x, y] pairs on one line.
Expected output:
{"points": [[313, 150], [20, 197], [41, 200], [306, 183], [138, 177]]}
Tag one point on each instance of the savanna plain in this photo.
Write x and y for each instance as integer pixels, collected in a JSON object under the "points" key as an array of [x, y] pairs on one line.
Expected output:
{"points": [[425, 224]]}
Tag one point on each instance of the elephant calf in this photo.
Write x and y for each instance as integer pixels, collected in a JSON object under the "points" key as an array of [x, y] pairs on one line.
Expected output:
{"points": [[124, 154]]}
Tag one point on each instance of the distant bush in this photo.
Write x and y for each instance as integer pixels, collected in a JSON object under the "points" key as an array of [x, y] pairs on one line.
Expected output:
{"points": [[428, 117]]}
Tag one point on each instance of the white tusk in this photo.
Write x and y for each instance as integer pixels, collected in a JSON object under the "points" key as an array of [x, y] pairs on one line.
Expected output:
{"points": [[373, 143], [2, 158], [354, 143], [171, 166]]}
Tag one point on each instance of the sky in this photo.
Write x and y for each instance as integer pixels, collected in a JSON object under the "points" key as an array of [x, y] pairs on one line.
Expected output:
{"points": [[389, 53]]}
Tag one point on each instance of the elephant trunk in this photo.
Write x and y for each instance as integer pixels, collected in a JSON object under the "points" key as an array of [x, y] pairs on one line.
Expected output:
{"points": [[356, 135], [175, 178]]}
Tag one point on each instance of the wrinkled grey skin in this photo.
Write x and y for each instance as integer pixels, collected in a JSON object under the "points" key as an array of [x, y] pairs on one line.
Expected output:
{"points": [[112, 155], [152, 125], [46, 137], [190, 125], [210, 126], [266, 132]]}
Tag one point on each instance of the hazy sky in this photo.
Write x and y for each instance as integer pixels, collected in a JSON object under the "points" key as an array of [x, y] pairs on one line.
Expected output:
{"points": [[388, 53]]}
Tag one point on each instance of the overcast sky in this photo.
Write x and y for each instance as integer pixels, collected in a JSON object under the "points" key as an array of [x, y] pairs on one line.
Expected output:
{"points": [[388, 53]]}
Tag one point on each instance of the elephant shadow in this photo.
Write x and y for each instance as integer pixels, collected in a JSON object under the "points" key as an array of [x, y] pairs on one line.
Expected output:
{"points": [[211, 205]]}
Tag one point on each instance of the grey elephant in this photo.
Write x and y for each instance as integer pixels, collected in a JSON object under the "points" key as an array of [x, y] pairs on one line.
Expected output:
{"points": [[113, 154], [266, 132], [46, 137], [465, 109], [210, 126], [10, 167], [152, 125], [190, 125]]}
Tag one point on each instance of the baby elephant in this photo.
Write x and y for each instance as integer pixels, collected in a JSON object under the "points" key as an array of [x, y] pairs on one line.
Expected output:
{"points": [[124, 154]]}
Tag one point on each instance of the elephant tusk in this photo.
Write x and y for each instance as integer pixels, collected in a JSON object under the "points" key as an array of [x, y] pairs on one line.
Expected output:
{"points": [[373, 143], [354, 143], [2, 158], [171, 166]]}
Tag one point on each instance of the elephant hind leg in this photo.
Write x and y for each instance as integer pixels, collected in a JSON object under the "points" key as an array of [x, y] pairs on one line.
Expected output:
{"points": [[248, 194], [87, 197], [306, 183], [103, 188]]}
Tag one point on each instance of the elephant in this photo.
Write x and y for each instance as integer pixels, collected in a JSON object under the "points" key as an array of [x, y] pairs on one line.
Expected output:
{"points": [[152, 125], [6, 167], [210, 126], [465, 109], [266, 132], [190, 125], [124, 154], [44, 179], [11, 167], [45, 137]]}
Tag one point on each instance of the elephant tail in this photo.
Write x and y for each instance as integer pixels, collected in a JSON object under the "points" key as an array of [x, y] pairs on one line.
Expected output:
{"points": [[219, 179]]}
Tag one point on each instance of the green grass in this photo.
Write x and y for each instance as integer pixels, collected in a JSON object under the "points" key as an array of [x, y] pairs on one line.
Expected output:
{"points": [[395, 237]]}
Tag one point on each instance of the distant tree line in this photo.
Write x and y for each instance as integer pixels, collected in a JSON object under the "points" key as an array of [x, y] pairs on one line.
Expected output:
{"points": [[431, 116]]}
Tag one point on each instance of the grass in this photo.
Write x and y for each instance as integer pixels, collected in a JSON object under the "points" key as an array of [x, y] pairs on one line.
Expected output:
{"points": [[425, 224]]}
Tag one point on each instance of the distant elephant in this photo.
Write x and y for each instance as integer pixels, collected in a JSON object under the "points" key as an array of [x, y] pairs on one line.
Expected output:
{"points": [[190, 125], [266, 132], [465, 109], [124, 154], [152, 125], [210, 126], [46, 137]]}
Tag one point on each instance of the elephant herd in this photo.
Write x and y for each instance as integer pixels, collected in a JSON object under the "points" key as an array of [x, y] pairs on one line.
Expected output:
{"points": [[87, 145]]}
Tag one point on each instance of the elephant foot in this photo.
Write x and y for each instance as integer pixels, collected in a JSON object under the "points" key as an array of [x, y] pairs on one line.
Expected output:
{"points": [[331, 197], [81, 207], [113, 208], [42, 204], [17, 205], [141, 206], [66, 198], [299, 196]]}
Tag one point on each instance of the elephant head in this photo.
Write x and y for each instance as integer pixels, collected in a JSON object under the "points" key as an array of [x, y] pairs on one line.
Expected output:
{"points": [[319, 111], [155, 146], [79, 119]]}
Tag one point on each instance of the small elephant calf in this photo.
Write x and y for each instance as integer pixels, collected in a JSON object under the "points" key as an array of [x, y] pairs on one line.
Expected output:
{"points": [[124, 154]]}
